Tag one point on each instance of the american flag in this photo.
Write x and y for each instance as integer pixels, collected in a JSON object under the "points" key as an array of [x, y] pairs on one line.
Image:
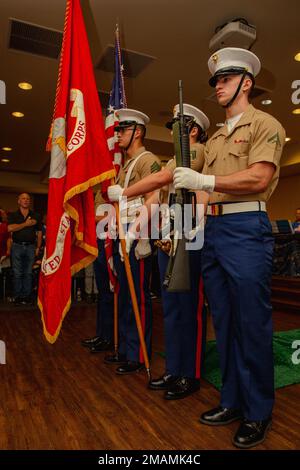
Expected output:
{"points": [[117, 100]]}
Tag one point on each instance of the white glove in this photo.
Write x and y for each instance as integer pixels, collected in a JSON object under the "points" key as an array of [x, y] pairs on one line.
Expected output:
{"points": [[192, 233], [190, 179], [129, 239], [142, 249], [114, 192]]}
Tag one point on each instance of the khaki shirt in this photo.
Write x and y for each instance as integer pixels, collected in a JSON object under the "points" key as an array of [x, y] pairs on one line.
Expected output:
{"points": [[99, 200], [197, 162], [257, 137], [146, 165]]}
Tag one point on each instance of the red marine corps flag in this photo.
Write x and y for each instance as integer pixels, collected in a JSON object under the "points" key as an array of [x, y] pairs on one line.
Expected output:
{"points": [[79, 159]]}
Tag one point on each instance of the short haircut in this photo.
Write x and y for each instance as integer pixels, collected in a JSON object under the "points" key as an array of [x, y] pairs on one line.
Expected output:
{"points": [[202, 136], [251, 90], [143, 131], [22, 194]]}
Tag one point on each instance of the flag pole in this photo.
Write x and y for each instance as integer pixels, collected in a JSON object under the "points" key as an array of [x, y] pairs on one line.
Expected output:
{"points": [[116, 322]]}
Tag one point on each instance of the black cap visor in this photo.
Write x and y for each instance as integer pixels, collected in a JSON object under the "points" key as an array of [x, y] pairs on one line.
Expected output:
{"points": [[169, 124], [124, 125], [227, 71]]}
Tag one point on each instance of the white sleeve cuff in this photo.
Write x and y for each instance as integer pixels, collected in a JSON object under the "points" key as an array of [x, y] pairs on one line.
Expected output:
{"points": [[208, 184]]}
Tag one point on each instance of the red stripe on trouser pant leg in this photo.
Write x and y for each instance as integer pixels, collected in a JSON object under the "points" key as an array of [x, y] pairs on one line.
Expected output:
{"points": [[199, 330], [142, 305]]}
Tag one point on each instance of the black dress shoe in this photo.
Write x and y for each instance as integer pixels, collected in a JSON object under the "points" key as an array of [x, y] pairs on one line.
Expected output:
{"points": [[251, 433], [181, 388], [129, 368], [115, 359], [162, 383], [87, 343], [101, 346], [220, 416]]}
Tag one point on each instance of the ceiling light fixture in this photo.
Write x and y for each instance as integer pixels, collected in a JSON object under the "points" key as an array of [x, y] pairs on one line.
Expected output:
{"points": [[287, 139], [220, 124], [7, 149], [296, 111], [5, 160], [266, 102], [297, 57], [17, 114], [25, 86]]}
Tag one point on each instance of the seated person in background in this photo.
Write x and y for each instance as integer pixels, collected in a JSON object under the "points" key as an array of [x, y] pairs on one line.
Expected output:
{"points": [[296, 224]]}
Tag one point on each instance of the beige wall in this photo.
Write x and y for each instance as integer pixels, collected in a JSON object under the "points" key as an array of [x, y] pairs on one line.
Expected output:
{"points": [[286, 198], [282, 204], [19, 182], [8, 201]]}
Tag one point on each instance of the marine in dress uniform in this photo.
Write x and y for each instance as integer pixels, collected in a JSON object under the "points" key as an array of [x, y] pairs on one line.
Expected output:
{"points": [[103, 340], [240, 173], [138, 163], [183, 313]]}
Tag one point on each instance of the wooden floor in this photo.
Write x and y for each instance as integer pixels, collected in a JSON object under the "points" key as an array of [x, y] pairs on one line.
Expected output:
{"points": [[62, 397]]}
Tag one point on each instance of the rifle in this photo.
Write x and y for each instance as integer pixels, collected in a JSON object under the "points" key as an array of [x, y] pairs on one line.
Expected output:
{"points": [[177, 277]]}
